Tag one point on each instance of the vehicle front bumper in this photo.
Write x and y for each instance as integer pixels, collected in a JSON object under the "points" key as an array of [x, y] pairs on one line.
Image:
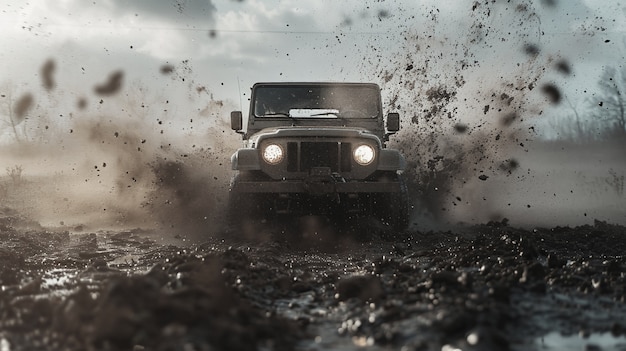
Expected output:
{"points": [[316, 187]]}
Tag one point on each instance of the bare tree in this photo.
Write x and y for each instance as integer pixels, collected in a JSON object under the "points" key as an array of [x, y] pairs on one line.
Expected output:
{"points": [[580, 130], [7, 121], [574, 125], [609, 105], [15, 173], [15, 111]]}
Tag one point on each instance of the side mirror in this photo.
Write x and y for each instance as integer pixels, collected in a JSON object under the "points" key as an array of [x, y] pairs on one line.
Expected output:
{"points": [[393, 122], [236, 121]]}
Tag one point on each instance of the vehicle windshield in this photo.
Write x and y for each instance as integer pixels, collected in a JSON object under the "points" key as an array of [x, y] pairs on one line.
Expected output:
{"points": [[342, 101]]}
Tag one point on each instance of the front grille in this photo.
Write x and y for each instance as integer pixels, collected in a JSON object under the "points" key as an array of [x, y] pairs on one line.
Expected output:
{"points": [[302, 156]]}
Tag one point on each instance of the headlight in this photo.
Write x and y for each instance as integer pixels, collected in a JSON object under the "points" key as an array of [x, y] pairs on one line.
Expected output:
{"points": [[364, 155], [273, 154]]}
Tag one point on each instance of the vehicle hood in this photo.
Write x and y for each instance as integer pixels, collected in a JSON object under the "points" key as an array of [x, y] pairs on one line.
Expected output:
{"points": [[314, 132]]}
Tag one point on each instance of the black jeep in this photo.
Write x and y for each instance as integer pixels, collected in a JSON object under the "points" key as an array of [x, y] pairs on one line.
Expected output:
{"points": [[318, 148]]}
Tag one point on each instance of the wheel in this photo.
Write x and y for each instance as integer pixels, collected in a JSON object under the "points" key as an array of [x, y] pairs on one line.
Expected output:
{"points": [[241, 206], [393, 209], [246, 211]]}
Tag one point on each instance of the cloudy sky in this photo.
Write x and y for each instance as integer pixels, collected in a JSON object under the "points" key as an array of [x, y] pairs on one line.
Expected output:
{"points": [[227, 45]]}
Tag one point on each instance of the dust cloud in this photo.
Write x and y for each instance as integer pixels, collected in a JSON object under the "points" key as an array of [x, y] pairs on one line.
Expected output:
{"points": [[123, 157]]}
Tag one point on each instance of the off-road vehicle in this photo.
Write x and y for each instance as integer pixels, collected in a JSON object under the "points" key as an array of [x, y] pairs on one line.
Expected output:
{"points": [[318, 148]]}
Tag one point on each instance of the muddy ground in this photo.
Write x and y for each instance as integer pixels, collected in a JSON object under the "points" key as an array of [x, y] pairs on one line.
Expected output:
{"points": [[485, 287]]}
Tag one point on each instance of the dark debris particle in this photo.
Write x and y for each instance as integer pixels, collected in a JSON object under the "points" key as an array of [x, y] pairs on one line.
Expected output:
{"points": [[383, 14], [552, 92], [112, 85], [508, 119], [549, 3], [21, 107], [509, 165], [531, 49], [167, 69], [483, 177], [81, 103], [564, 67], [460, 128], [47, 74], [507, 98]]}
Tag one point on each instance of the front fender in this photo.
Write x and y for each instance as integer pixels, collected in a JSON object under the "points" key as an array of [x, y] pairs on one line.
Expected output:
{"points": [[391, 160], [245, 160]]}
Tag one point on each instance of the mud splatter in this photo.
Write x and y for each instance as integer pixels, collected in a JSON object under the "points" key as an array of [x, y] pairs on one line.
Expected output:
{"points": [[460, 128], [21, 108], [531, 49], [167, 69], [81, 103], [47, 74], [508, 119], [509, 166], [550, 3], [441, 83], [564, 67], [111, 86], [552, 92]]}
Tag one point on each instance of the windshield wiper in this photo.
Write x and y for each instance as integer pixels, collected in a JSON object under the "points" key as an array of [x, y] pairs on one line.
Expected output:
{"points": [[324, 114], [282, 114]]}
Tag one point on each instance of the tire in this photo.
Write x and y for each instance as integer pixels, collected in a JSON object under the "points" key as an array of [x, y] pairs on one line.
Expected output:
{"points": [[393, 209], [240, 208], [245, 210]]}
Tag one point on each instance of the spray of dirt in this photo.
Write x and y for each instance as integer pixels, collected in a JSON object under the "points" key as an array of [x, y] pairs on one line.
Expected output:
{"points": [[132, 158], [467, 102]]}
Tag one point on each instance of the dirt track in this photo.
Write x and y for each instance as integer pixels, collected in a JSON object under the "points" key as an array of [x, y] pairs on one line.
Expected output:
{"points": [[489, 287]]}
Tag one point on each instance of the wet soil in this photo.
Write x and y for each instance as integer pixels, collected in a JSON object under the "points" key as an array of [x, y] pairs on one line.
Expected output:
{"points": [[484, 287]]}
